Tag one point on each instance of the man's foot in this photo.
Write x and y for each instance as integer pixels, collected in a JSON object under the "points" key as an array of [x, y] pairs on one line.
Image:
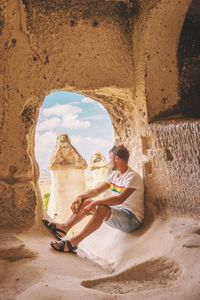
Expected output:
{"points": [[57, 232], [64, 246]]}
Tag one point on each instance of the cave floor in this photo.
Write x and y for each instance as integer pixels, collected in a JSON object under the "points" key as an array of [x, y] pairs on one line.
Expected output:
{"points": [[30, 269]]}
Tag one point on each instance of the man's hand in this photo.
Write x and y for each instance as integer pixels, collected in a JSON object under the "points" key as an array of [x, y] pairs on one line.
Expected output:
{"points": [[76, 205], [90, 208]]}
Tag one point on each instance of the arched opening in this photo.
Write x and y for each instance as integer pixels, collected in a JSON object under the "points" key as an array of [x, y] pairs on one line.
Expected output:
{"points": [[189, 63], [86, 46], [87, 130]]}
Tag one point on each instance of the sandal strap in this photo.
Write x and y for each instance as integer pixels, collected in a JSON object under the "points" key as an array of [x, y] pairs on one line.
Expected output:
{"points": [[60, 230], [49, 225], [71, 248], [52, 227], [61, 246]]}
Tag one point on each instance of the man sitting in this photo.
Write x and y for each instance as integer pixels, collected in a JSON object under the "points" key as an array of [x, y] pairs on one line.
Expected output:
{"points": [[124, 210]]}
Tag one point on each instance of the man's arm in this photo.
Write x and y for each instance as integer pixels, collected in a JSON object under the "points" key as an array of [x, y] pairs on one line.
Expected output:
{"points": [[99, 189], [88, 195], [110, 201]]}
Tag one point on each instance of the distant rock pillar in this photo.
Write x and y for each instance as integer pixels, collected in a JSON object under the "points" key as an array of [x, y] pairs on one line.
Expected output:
{"points": [[68, 178], [99, 168]]}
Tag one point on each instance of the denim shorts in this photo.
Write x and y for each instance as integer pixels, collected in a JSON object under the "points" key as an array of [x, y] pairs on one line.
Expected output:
{"points": [[122, 219]]}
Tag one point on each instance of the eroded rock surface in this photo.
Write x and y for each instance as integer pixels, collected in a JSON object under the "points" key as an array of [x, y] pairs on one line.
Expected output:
{"points": [[152, 274], [66, 156], [137, 58], [12, 249]]}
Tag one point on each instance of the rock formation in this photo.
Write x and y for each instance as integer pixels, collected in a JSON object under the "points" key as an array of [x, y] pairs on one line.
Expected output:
{"points": [[98, 167], [140, 59], [144, 77], [68, 178]]}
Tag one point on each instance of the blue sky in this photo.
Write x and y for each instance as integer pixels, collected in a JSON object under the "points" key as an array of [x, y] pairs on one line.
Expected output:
{"points": [[85, 121]]}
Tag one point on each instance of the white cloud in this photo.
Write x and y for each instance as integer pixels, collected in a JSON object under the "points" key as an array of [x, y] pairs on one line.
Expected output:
{"points": [[49, 124], [63, 117], [44, 147], [87, 100], [61, 110], [89, 145], [60, 117], [71, 121], [99, 142]]}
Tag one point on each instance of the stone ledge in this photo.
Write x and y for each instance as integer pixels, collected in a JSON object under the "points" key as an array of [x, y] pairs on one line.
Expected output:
{"points": [[11, 248]]}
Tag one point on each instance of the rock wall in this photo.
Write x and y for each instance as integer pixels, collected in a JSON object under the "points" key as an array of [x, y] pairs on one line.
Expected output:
{"points": [[126, 55]]}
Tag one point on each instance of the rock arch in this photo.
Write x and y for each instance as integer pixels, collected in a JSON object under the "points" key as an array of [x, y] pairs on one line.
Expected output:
{"points": [[99, 50]]}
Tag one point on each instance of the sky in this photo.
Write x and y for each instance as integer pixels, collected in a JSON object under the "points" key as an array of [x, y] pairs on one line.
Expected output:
{"points": [[84, 120]]}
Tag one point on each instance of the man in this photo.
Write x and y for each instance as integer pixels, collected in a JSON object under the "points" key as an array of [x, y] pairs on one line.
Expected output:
{"points": [[124, 210]]}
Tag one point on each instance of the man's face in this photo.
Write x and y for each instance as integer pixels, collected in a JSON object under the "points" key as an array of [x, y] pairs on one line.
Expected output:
{"points": [[113, 161]]}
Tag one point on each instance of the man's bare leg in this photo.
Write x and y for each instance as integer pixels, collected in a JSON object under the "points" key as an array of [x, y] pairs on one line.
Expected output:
{"points": [[101, 213], [74, 218]]}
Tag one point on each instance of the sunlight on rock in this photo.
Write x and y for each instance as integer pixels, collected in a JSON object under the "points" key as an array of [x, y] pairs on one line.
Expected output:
{"points": [[139, 60], [68, 178]]}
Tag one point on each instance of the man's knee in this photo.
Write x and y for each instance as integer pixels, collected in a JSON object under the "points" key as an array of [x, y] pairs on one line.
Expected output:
{"points": [[103, 210]]}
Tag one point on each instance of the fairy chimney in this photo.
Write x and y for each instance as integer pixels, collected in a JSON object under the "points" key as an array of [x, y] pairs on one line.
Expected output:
{"points": [[68, 178], [99, 168]]}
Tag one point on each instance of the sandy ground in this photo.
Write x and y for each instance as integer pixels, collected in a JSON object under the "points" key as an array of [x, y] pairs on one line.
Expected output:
{"points": [[169, 269]]}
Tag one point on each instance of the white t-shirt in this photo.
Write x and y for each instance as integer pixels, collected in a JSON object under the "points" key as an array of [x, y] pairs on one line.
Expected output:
{"points": [[130, 179]]}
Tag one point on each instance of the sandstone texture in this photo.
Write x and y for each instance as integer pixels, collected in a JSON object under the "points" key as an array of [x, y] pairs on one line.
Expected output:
{"points": [[65, 156], [97, 161], [140, 60]]}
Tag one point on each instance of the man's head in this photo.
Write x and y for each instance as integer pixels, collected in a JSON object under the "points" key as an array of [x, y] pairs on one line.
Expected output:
{"points": [[118, 155]]}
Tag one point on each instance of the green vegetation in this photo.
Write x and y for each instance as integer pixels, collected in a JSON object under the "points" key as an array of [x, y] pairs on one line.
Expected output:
{"points": [[45, 200]]}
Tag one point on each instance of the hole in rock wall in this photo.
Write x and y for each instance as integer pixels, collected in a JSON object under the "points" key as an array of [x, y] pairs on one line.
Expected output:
{"points": [[189, 62], [73, 137]]}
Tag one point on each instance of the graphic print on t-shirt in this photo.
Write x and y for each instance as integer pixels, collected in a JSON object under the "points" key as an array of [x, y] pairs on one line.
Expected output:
{"points": [[116, 188]]}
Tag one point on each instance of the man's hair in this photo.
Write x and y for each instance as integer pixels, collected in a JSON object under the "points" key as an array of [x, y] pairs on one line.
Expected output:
{"points": [[121, 152]]}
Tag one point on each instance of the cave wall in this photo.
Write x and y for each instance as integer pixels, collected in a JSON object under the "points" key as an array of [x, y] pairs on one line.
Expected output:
{"points": [[106, 50], [170, 142], [189, 62]]}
